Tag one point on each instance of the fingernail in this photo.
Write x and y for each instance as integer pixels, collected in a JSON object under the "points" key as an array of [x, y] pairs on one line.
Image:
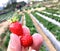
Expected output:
{"points": [[30, 49], [13, 36], [33, 50]]}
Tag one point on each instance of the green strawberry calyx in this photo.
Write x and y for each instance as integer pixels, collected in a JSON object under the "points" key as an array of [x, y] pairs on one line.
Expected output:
{"points": [[14, 19]]}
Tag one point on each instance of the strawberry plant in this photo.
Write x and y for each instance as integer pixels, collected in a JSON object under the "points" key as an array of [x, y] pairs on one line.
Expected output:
{"points": [[53, 11], [0, 49], [6, 40], [30, 24]]}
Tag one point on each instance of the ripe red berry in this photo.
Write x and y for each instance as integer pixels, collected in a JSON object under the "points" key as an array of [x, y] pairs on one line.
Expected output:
{"points": [[26, 40], [16, 28]]}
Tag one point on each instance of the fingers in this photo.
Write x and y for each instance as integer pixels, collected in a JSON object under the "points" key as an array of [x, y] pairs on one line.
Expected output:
{"points": [[24, 49], [37, 38], [26, 30], [37, 41], [31, 49], [14, 43]]}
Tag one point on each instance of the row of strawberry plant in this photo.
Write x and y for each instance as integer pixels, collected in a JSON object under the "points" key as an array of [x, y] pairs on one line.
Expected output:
{"points": [[53, 11], [50, 26], [32, 28], [51, 16], [6, 16], [30, 24], [34, 7]]}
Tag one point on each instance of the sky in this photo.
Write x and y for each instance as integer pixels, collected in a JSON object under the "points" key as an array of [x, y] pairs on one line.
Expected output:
{"points": [[3, 2], [22, 0]]}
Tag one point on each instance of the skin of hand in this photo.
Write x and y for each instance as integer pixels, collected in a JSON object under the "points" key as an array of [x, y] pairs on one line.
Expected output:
{"points": [[15, 44]]}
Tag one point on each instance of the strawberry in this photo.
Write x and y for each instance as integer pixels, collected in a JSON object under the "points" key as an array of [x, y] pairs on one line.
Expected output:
{"points": [[16, 28], [26, 40]]}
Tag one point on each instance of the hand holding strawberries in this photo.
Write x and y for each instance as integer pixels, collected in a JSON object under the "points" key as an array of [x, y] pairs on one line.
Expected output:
{"points": [[24, 41]]}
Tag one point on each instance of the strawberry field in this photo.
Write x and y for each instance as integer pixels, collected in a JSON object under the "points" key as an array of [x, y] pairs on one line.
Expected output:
{"points": [[6, 16], [49, 25], [45, 21]]}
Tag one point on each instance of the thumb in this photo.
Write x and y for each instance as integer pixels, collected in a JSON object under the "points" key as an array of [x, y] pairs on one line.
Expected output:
{"points": [[14, 43], [26, 30], [37, 41]]}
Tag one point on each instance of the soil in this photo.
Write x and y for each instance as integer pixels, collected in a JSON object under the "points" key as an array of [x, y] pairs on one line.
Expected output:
{"points": [[3, 26]]}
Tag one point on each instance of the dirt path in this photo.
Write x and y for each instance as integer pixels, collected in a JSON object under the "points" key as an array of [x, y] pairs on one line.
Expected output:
{"points": [[3, 26]]}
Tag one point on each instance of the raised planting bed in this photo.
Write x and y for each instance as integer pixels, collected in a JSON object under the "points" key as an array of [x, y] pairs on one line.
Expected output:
{"points": [[51, 16], [53, 11], [29, 24], [49, 19], [50, 26]]}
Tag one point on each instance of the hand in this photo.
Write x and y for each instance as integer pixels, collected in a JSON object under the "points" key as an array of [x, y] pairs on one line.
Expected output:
{"points": [[15, 44]]}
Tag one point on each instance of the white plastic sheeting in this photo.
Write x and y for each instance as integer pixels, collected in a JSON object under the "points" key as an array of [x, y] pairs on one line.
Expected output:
{"points": [[51, 13], [47, 12], [49, 19], [49, 35]]}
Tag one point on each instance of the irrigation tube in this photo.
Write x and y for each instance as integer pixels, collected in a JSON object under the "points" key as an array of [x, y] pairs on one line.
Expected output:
{"points": [[49, 35]]}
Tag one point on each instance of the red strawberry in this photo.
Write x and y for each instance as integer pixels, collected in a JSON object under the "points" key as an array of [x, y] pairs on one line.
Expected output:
{"points": [[16, 28], [26, 40]]}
